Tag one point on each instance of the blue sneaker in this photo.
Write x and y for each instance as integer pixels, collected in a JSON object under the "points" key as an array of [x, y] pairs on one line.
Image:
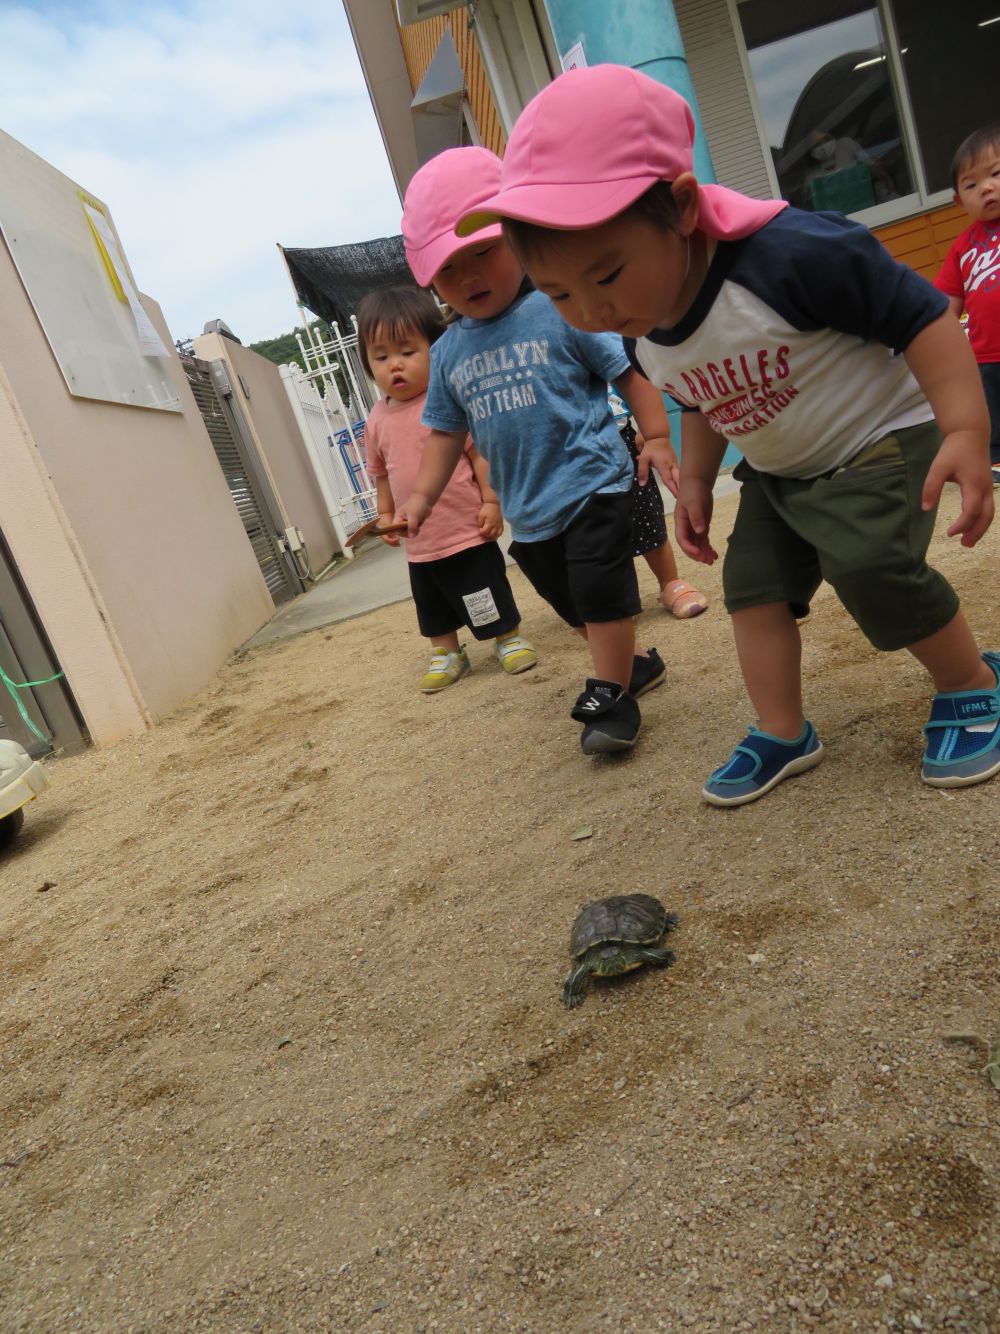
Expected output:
{"points": [[963, 735], [759, 763]]}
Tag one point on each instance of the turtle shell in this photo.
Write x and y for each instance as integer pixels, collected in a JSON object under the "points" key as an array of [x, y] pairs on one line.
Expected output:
{"points": [[636, 918]]}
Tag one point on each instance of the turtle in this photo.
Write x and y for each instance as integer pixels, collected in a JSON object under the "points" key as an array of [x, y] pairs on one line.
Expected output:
{"points": [[615, 935]]}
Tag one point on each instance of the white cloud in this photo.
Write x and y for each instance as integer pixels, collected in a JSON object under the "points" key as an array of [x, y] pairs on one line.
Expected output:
{"points": [[211, 133]]}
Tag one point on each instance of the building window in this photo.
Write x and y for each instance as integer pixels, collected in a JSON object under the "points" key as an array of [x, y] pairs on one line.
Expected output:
{"points": [[949, 51], [863, 102]]}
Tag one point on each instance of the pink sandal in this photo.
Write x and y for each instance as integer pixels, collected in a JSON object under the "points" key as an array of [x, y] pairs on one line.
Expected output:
{"points": [[683, 601]]}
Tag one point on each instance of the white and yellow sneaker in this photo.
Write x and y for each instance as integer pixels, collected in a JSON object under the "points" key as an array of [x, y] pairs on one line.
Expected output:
{"points": [[446, 668], [515, 654]]}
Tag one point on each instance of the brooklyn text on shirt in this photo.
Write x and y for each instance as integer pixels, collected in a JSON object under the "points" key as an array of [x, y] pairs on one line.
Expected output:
{"points": [[498, 379], [740, 394], [983, 265]]}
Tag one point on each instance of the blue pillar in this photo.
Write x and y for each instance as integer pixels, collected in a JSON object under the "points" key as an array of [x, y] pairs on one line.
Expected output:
{"points": [[640, 33]]}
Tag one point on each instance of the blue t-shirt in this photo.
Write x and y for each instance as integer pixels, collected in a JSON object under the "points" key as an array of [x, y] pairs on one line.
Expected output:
{"points": [[533, 393]]}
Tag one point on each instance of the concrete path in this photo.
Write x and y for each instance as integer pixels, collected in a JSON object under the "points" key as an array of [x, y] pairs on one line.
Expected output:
{"points": [[376, 577]]}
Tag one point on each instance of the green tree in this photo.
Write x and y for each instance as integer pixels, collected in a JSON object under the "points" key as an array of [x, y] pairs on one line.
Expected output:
{"points": [[284, 350]]}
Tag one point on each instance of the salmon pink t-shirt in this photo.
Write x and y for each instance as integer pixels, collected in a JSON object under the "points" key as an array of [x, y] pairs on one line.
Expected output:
{"points": [[394, 446]]}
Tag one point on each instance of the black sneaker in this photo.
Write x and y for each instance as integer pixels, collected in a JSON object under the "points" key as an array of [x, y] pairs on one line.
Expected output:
{"points": [[610, 717], [647, 674]]}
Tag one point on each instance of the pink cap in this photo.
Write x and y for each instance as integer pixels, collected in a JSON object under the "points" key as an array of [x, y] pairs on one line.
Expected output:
{"points": [[594, 140], [442, 191]]}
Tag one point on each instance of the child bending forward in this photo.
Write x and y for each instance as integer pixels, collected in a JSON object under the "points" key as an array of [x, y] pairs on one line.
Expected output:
{"points": [[457, 570], [837, 371]]}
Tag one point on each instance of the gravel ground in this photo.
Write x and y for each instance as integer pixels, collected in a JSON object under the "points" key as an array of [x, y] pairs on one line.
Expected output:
{"points": [[282, 1047]]}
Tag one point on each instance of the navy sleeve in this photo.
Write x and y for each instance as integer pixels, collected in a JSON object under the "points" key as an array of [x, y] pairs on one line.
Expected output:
{"points": [[633, 360], [822, 271]]}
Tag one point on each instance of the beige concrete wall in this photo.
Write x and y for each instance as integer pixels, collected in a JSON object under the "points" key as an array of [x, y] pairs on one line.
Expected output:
{"points": [[263, 402], [123, 530]]}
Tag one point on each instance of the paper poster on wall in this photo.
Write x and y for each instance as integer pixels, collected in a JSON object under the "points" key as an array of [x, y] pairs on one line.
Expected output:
{"points": [[149, 340], [71, 263], [575, 58]]}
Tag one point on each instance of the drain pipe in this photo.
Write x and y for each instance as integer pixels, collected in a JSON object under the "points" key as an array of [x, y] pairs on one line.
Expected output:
{"points": [[643, 34]]}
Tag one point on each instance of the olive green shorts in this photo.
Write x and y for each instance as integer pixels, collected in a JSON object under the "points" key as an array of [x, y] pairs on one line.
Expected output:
{"points": [[860, 528]]}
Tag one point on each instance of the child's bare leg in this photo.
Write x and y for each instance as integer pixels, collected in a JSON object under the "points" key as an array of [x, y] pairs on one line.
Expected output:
{"points": [[449, 641], [952, 658], [640, 652], [612, 648], [676, 596], [662, 562], [770, 653]]}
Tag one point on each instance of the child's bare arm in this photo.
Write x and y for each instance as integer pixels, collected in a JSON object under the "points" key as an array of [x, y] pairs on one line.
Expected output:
{"points": [[386, 506], [490, 517], [944, 367], [645, 402], [441, 454], [701, 457], [956, 305]]}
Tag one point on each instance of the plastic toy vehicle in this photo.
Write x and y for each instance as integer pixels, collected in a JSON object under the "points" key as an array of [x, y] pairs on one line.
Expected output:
{"points": [[21, 780]]}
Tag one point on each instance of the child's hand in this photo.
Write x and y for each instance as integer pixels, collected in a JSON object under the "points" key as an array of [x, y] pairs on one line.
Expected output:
{"points": [[963, 460], [390, 539], [490, 519], [692, 519], [413, 513], [659, 454]]}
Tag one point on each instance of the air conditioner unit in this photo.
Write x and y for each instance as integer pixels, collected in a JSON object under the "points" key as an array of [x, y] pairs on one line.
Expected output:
{"points": [[413, 11]]}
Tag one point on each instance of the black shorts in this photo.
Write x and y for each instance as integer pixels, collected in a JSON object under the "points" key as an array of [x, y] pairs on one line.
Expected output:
{"points": [[649, 524], [469, 588], [586, 573]]}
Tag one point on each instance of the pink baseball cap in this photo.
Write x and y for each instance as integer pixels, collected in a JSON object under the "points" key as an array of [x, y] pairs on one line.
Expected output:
{"points": [[442, 191], [594, 140]]}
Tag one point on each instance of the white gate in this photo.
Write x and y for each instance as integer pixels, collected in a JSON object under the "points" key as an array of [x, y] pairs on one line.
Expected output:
{"points": [[334, 430]]}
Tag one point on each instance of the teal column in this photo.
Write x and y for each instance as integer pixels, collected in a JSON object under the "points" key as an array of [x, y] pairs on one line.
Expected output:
{"points": [[640, 33]]}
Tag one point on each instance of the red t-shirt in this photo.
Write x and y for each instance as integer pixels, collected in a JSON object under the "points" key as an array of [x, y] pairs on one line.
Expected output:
{"points": [[971, 272]]}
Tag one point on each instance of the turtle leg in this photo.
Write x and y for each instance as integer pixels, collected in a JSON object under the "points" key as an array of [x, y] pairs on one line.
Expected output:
{"points": [[660, 958], [574, 985]]}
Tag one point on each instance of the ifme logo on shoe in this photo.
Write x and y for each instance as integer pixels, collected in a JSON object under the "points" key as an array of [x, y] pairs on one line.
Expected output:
{"points": [[975, 708]]}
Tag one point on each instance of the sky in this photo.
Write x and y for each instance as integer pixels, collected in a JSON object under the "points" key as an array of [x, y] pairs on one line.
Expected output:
{"points": [[211, 131]]}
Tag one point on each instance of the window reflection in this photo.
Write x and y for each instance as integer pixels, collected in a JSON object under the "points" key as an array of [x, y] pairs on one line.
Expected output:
{"points": [[824, 90], [950, 54]]}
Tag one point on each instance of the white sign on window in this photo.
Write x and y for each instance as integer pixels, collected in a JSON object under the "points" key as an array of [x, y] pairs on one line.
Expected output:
{"points": [[575, 57]]}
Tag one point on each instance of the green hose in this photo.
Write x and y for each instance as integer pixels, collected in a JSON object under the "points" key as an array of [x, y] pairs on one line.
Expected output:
{"points": [[14, 686]]}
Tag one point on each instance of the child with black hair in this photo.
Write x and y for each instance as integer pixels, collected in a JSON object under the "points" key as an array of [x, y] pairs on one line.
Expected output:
{"points": [[799, 335], [970, 274], [533, 394], [457, 571]]}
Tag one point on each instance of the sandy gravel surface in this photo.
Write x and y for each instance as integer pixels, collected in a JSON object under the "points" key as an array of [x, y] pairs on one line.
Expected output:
{"points": [[281, 1040]]}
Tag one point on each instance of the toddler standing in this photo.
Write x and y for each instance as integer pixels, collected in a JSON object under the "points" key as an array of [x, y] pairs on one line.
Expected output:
{"points": [[797, 334], [457, 571], [970, 274], [533, 394]]}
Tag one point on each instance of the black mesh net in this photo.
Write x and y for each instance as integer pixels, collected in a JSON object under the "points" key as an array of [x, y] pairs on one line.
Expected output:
{"points": [[331, 280]]}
